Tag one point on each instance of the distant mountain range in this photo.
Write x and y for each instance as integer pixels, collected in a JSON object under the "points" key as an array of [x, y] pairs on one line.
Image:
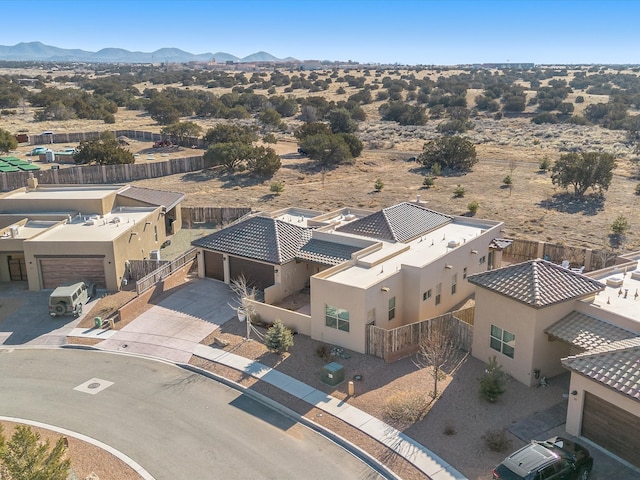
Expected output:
{"points": [[37, 51]]}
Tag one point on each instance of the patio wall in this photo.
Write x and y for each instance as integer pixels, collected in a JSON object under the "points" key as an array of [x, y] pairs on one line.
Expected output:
{"points": [[298, 322]]}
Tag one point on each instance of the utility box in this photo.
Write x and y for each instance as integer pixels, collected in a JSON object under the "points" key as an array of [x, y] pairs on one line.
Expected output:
{"points": [[332, 373]]}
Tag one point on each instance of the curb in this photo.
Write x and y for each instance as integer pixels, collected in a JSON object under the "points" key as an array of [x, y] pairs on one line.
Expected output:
{"points": [[335, 438], [97, 443]]}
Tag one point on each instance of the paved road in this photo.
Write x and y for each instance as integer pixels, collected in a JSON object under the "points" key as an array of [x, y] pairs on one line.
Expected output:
{"points": [[174, 423]]}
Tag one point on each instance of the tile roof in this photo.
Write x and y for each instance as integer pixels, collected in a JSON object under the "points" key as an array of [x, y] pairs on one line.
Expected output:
{"points": [[399, 223], [259, 238], [537, 283], [326, 253], [616, 365], [500, 243], [587, 332], [160, 198]]}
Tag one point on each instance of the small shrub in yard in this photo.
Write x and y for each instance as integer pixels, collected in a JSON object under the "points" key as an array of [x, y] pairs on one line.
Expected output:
{"points": [[279, 339], [497, 440], [429, 181], [436, 169], [638, 189], [277, 187], [406, 407], [459, 192], [492, 382], [473, 207], [379, 185], [324, 352], [508, 181]]}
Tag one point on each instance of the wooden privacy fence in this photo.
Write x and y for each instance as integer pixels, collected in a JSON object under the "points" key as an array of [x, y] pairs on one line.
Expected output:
{"points": [[100, 174], [396, 343], [193, 216], [524, 250], [164, 271], [88, 136]]}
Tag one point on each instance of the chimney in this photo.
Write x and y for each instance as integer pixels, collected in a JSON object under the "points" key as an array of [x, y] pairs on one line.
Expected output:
{"points": [[32, 182]]}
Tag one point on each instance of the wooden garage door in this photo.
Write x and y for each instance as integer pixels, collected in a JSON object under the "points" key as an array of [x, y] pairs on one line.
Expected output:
{"points": [[213, 265], [612, 428], [60, 270], [258, 275]]}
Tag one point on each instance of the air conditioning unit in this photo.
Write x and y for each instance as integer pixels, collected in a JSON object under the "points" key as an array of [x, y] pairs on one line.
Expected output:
{"points": [[154, 255], [453, 243]]}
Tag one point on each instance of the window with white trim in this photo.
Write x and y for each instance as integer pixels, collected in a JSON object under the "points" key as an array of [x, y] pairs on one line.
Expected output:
{"points": [[438, 291], [454, 283], [426, 295], [502, 341], [482, 260], [335, 317]]}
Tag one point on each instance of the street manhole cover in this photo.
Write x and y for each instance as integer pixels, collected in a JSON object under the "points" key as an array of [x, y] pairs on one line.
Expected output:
{"points": [[93, 386]]}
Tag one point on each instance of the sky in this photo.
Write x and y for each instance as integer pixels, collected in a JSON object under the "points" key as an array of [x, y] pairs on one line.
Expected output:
{"points": [[426, 32]]}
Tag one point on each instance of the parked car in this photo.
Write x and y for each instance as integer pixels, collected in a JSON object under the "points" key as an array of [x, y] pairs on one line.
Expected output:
{"points": [[39, 151], [69, 299], [553, 459]]}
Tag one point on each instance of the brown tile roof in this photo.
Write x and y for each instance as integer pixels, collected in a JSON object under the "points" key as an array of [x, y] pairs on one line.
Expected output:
{"points": [[537, 283], [587, 332], [326, 253], [260, 238], [616, 365], [159, 198], [399, 223], [500, 243]]}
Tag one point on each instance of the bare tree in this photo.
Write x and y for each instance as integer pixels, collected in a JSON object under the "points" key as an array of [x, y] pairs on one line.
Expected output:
{"points": [[437, 347], [243, 303]]}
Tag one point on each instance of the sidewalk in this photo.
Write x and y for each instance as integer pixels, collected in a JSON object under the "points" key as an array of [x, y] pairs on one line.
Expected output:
{"points": [[426, 461]]}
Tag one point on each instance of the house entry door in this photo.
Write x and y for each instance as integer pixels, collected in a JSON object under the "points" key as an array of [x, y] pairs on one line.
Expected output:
{"points": [[17, 269]]}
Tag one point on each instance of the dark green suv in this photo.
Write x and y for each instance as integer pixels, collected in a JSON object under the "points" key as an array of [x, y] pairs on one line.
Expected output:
{"points": [[553, 459]]}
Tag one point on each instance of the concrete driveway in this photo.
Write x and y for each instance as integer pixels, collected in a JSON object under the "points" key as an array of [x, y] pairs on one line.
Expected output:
{"points": [[173, 328], [25, 319]]}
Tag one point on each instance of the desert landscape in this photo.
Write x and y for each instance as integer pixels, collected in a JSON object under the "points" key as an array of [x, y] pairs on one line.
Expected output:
{"points": [[531, 207]]}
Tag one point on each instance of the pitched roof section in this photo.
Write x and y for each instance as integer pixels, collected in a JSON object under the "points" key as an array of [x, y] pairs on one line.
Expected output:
{"points": [[537, 283], [399, 223], [616, 365], [159, 198], [326, 253], [586, 332], [259, 238]]}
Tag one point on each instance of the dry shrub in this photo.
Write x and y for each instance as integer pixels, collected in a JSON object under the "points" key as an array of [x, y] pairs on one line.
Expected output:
{"points": [[406, 407], [497, 440]]}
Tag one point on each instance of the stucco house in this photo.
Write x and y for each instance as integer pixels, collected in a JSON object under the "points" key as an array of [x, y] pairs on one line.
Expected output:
{"points": [[539, 319], [393, 267], [55, 234]]}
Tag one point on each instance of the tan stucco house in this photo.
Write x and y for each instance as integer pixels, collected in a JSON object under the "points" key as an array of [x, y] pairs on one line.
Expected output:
{"points": [[55, 234], [393, 267], [539, 319]]}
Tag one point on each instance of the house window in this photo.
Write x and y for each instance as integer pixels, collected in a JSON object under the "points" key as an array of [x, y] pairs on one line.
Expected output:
{"points": [[336, 318], [464, 273], [438, 291], [392, 308], [454, 283], [502, 341], [155, 232], [482, 260], [426, 295]]}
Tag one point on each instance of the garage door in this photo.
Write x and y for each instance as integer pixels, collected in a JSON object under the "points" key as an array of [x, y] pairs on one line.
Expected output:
{"points": [[213, 265], [60, 270], [258, 275], [612, 428]]}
